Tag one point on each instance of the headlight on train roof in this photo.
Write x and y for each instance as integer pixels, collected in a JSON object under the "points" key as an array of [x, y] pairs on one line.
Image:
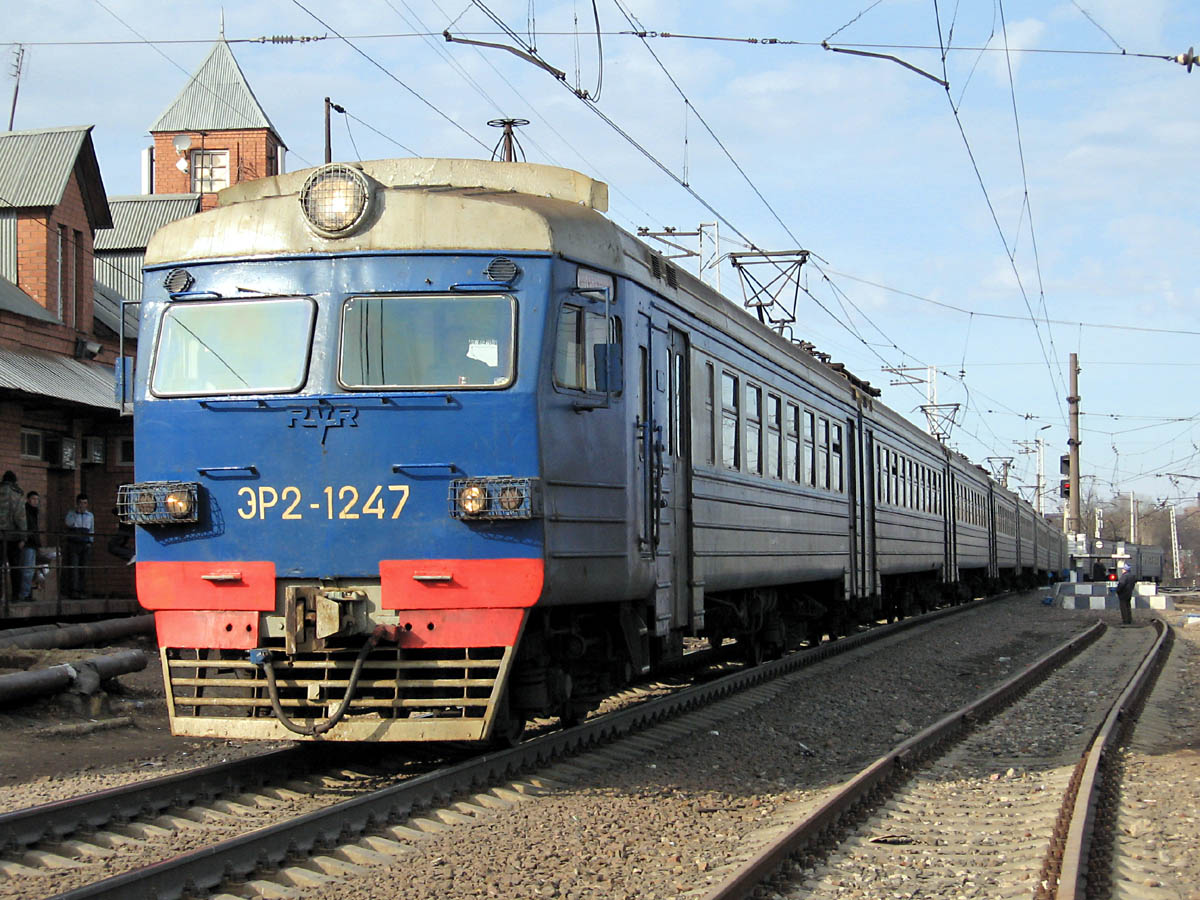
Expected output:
{"points": [[335, 199], [473, 498]]}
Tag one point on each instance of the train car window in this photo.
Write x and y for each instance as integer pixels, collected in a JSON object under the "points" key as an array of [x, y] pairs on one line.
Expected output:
{"points": [[206, 349], [675, 402], [729, 421], [823, 453], [810, 456], [881, 467], [417, 342], [753, 429], [774, 436], [792, 443], [568, 349], [835, 459], [894, 480], [582, 345], [710, 399]]}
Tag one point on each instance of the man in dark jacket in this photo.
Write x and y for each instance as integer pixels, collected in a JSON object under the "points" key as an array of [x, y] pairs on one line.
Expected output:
{"points": [[33, 543], [12, 528], [1125, 587]]}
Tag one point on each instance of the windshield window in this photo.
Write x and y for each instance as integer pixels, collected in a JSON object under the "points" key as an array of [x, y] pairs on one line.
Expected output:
{"points": [[427, 342], [233, 347]]}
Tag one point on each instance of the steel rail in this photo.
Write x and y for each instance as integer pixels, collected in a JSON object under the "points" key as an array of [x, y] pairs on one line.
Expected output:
{"points": [[1089, 780], [749, 877], [203, 870], [60, 819]]}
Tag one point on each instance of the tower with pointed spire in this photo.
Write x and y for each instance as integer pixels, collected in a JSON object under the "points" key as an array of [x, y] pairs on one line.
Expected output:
{"points": [[214, 133]]}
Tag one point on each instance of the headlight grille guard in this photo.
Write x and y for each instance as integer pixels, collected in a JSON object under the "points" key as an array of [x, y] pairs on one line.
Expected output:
{"points": [[508, 498], [145, 502]]}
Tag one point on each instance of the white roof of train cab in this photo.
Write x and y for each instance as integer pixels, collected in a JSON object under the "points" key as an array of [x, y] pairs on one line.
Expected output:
{"points": [[418, 204]]}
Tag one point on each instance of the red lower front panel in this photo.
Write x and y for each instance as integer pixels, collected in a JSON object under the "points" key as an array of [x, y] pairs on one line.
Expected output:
{"points": [[206, 585], [218, 629], [460, 583]]}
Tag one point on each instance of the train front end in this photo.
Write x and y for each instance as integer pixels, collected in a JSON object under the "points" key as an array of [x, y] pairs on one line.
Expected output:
{"points": [[337, 491]]}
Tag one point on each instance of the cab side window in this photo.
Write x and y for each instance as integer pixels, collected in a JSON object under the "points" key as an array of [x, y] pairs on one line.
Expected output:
{"points": [[587, 354]]}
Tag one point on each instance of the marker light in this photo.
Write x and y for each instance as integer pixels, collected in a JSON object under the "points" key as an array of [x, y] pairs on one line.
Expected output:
{"points": [[335, 199]]}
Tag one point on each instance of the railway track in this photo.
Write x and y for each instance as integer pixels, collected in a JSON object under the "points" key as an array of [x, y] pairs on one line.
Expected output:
{"points": [[195, 835], [989, 802]]}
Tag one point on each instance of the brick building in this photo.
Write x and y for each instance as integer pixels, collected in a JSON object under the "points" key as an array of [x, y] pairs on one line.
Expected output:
{"points": [[70, 259], [213, 134], [61, 430]]}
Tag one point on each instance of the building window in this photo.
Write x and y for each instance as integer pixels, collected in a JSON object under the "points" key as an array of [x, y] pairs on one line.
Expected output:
{"points": [[62, 269], [210, 170], [729, 421], [31, 444], [125, 451]]}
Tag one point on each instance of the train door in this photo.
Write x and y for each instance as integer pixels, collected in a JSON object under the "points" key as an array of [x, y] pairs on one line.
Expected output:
{"points": [[664, 441], [677, 490], [950, 523], [858, 499]]}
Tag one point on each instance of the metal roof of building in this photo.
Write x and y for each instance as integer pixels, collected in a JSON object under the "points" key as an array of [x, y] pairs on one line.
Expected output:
{"points": [[60, 377], [107, 308], [216, 98], [35, 167], [137, 217], [15, 300]]}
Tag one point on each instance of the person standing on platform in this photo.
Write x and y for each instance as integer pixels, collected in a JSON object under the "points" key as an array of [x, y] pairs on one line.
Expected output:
{"points": [[1125, 588], [81, 529], [12, 529], [33, 543]]}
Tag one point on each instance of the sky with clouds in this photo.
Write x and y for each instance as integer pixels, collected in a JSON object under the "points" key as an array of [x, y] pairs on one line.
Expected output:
{"points": [[1001, 185]]}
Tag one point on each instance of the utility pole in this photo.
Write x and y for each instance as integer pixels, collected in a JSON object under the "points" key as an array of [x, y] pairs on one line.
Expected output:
{"points": [[18, 61], [328, 142], [1072, 521], [1039, 447], [1175, 566]]}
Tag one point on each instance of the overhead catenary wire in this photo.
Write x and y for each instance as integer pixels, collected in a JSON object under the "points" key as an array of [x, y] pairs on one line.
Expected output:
{"points": [[430, 105]]}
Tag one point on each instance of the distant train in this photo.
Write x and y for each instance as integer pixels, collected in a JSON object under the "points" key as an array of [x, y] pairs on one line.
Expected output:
{"points": [[427, 448]]}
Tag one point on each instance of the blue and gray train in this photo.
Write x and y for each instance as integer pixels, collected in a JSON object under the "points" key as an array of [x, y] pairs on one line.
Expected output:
{"points": [[428, 448]]}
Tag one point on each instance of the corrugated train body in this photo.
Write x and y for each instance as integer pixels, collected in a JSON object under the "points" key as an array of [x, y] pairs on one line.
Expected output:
{"points": [[426, 448]]}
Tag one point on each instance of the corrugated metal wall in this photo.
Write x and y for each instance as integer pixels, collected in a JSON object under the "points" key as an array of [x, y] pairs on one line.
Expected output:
{"points": [[8, 244], [121, 271]]}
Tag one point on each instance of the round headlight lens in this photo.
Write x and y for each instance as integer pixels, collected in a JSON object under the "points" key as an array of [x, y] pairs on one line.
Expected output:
{"points": [[334, 199], [144, 503], [510, 498], [472, 499], [179, 504]]}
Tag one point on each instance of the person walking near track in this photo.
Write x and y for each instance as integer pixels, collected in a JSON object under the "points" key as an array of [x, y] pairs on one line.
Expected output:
{"points": [[1125, 587]]}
